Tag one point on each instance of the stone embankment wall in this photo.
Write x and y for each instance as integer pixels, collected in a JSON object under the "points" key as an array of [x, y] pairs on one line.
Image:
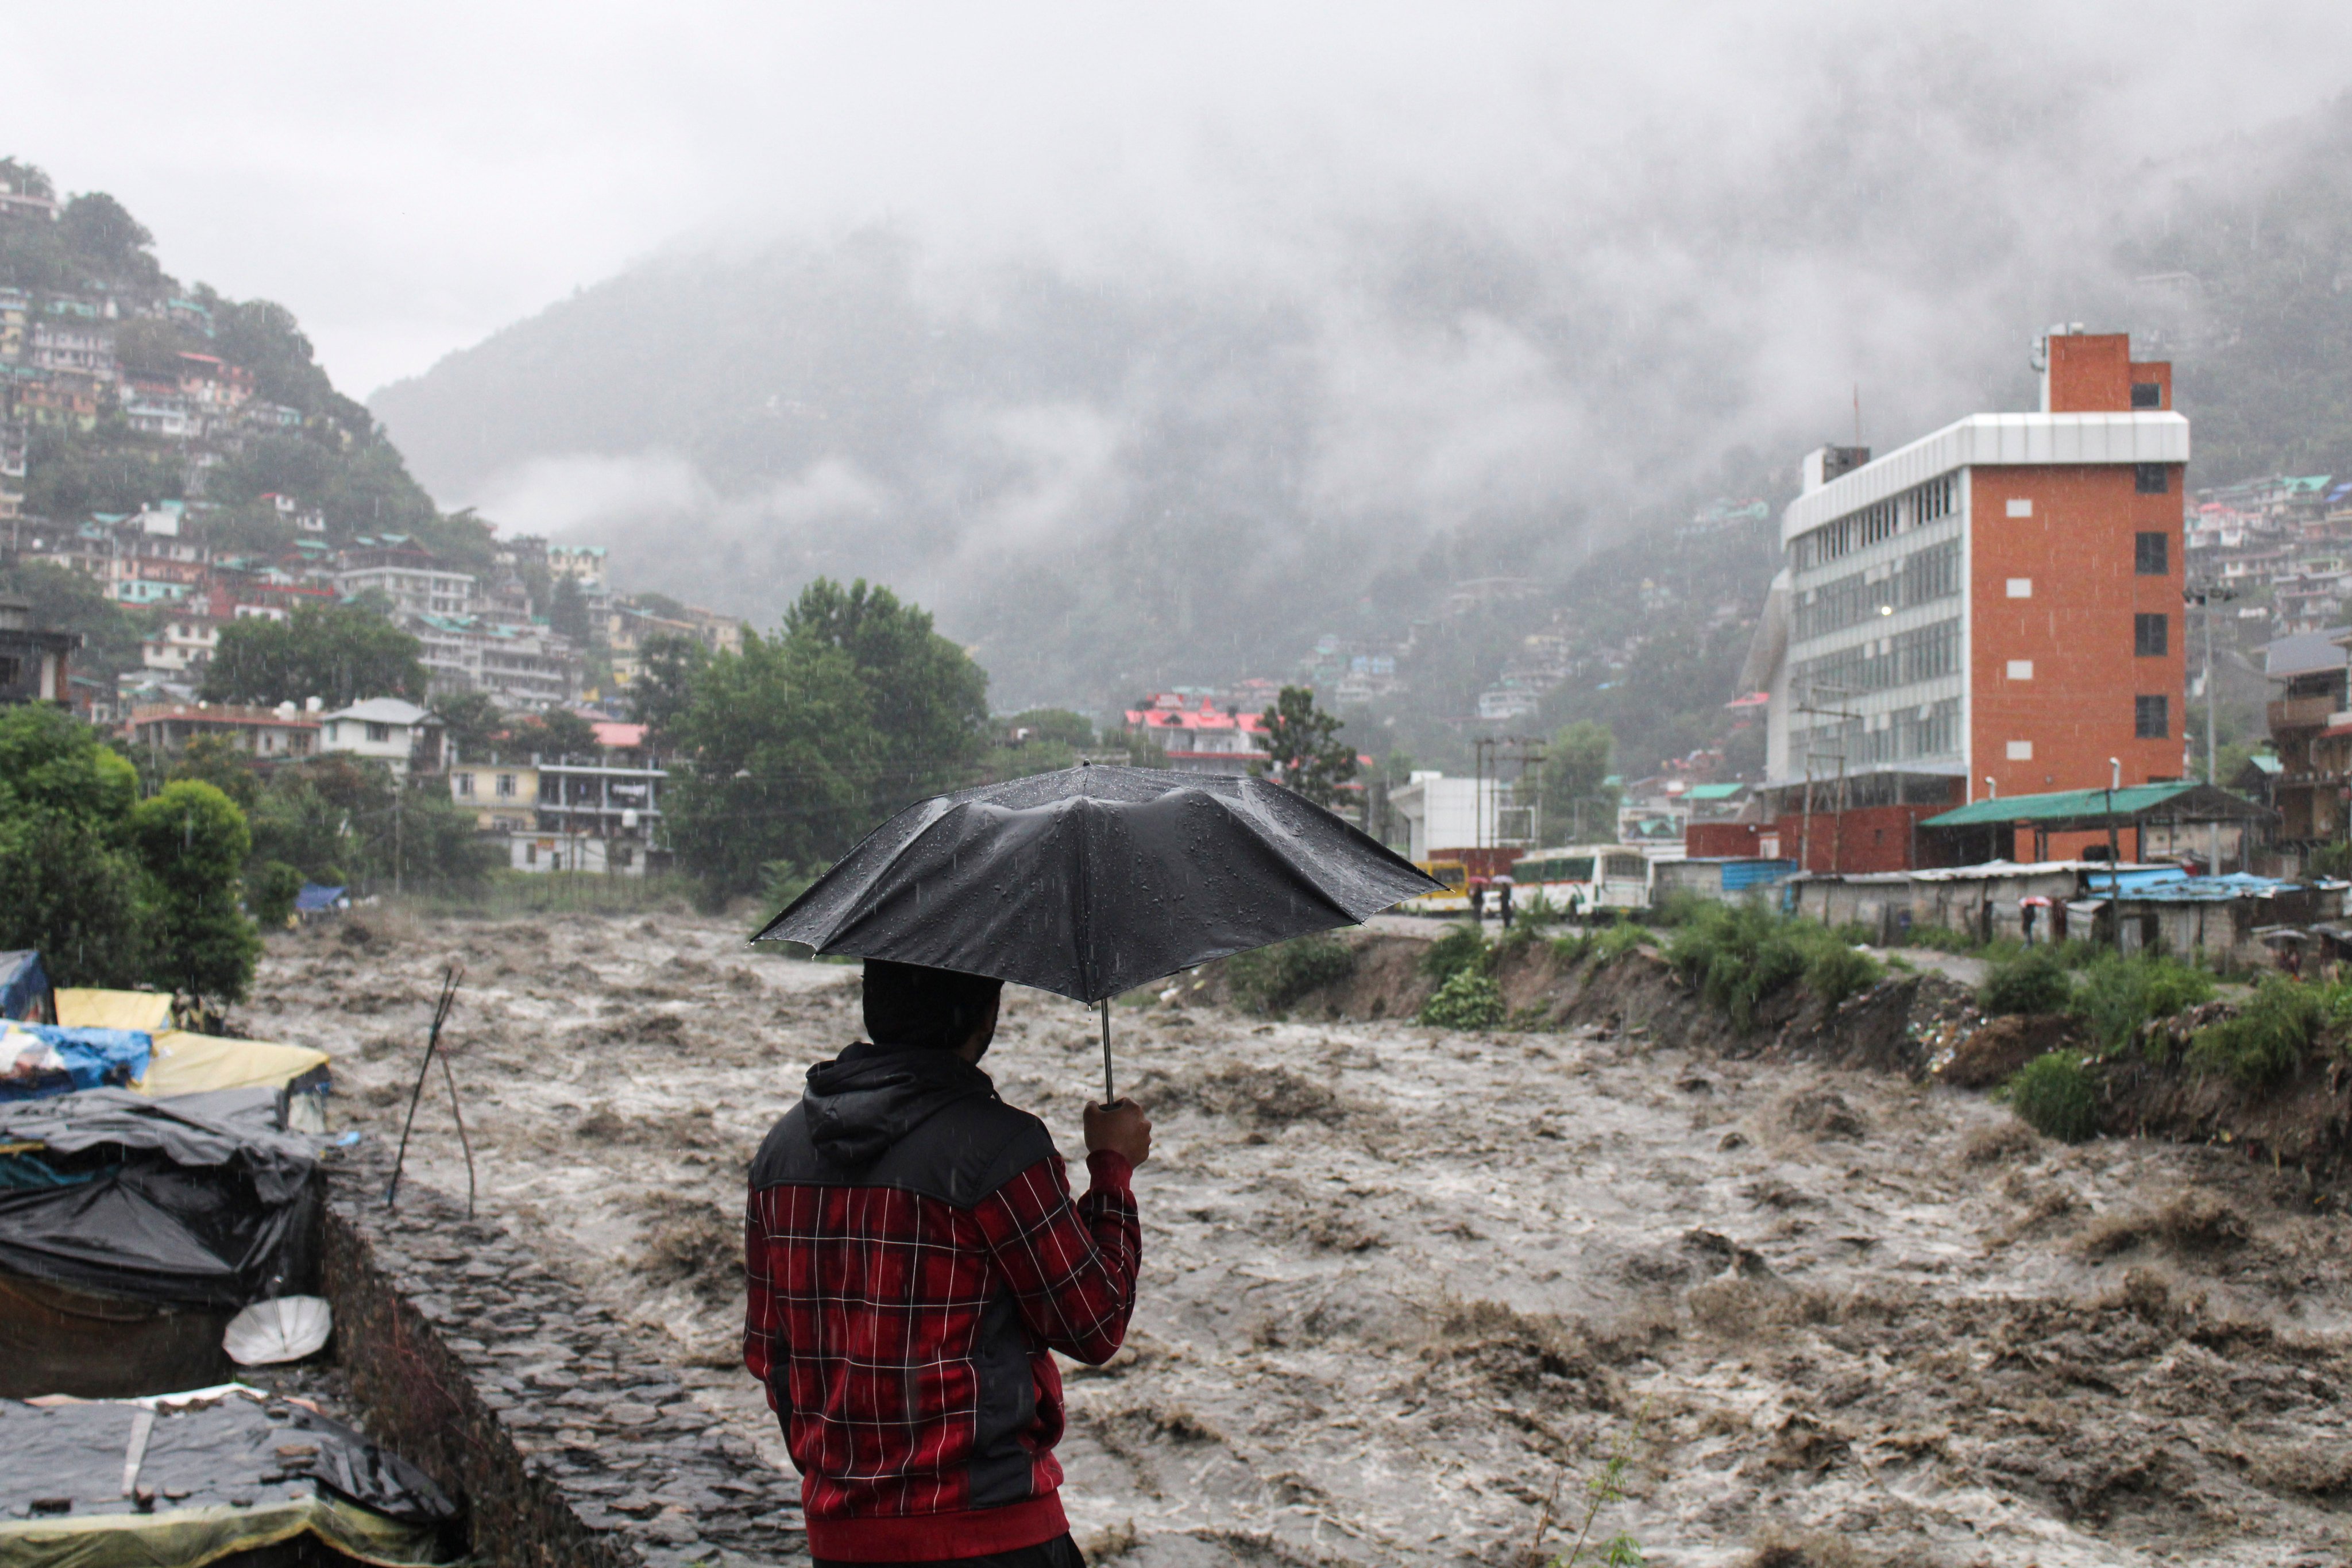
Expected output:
{"points": [[572, 1446]]}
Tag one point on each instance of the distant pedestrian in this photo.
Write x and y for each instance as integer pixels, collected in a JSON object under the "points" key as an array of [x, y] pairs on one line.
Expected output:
{"points": [[1479, 904], [2025, 919], [1503, 901], [2291, 960]]}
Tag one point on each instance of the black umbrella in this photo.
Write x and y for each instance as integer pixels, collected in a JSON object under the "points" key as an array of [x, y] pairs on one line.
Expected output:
{"points": [[1090, 881]]}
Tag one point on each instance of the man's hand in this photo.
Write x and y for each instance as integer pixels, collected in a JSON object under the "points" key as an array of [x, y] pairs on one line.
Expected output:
{"points": [[1121, 1127]]}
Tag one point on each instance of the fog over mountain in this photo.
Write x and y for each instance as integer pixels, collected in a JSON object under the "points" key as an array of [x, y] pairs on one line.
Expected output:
{"points": [[1351, 362]]}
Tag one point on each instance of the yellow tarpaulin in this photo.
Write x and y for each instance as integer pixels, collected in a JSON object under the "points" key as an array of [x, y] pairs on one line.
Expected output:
{"points": [[186, 1537], [193, 1064], [80, 1007]]}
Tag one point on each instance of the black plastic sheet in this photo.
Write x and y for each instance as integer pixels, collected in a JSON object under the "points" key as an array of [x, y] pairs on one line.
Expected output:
{"points": [[88, 1462], [1091, 881], [200, 1200]]}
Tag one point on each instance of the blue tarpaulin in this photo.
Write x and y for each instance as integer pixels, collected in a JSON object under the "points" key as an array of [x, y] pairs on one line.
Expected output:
{"points": [[314, 898], [23, 985], [75, 1060]]}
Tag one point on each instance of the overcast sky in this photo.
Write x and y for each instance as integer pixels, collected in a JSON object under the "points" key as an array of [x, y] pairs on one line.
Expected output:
{"points": [[408, 179]]}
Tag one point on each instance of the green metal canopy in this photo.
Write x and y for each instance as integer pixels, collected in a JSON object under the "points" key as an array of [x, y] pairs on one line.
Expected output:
{"points": [[2071, 810]]}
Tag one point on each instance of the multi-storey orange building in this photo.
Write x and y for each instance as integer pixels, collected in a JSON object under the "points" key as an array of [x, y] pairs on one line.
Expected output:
{"points": [[1995, 608]]}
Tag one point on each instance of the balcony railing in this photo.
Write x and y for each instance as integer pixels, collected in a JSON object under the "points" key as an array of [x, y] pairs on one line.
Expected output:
{"points": [[2301, 712]]}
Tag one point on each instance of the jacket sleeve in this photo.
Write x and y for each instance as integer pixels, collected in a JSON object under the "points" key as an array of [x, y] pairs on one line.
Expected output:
{"points": [[1072, 1264], [763, 1317]]}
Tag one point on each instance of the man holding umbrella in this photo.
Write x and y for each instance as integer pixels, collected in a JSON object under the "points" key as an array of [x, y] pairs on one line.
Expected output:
{"points": [[914, 1256], [913, 1251]]}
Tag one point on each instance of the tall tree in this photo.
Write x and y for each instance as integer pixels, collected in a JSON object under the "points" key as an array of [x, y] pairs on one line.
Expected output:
{"points": [[1578, 803], [927, 701], [560, 733], [784, 751], [568, 615], [1303, 748], [472, 723], [69, 884], [668, 667], [340, 653], [194, 842]]}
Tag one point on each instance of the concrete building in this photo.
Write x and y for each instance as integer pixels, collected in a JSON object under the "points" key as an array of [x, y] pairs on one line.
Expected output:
{"points": [[1441, 813], [1200, 738], [405, 572], [524, 667], [502, 796], [400, 736], [1994, 607], [284, 730], [33, 662]]}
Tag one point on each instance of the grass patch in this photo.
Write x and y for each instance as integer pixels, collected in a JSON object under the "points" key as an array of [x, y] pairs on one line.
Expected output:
{"points": [[2032, 981], [2267, 1038], [1740, 955], [2053, 1094], [1272, 979], [1468, 1000], [1463, 947], [1619, 940], [2116, 996]]}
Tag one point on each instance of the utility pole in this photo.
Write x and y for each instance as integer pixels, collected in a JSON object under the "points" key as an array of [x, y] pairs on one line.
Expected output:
{"points": [[2203, 598]]}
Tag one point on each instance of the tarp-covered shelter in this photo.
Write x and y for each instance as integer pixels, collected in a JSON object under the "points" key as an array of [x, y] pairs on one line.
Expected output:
{"points": [[23, 986], [184, 1480], [132, 1228], [1986, 830], [41, 1060], [86, 1007], [186, 1063]]}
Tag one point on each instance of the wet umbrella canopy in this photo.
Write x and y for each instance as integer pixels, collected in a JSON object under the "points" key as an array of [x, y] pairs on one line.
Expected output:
{"points": [[1091, 881]]}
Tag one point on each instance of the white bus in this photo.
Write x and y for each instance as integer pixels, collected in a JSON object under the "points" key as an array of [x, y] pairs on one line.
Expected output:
{"points": [[1583, 879]]}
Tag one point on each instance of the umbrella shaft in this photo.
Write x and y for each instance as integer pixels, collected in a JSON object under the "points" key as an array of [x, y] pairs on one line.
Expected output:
{"points": [[1108, 1093]]}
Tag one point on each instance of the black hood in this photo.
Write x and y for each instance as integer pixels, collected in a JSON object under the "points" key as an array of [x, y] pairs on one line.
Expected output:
{"points": [[864, 1101]]}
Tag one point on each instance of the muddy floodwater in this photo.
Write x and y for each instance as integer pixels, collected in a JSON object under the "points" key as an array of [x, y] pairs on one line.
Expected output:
{"points": [[1403, 1286]]}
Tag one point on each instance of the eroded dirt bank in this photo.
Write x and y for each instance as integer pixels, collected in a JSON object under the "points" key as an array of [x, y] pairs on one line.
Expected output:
{"points": [[1397, 1279]]}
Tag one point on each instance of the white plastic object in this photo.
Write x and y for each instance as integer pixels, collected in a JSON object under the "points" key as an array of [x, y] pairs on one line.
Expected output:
{"points": [[287, 1328]]}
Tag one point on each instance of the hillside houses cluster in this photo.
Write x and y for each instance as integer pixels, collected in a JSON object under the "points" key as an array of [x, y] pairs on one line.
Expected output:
{"points": [[2282, 544], [477, 631], [58, 367]]}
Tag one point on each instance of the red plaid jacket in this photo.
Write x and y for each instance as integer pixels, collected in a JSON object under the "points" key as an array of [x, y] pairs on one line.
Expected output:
{"points": [[901, 1311]]}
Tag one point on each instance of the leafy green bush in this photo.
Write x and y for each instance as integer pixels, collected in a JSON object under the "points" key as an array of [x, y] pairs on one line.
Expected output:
{"points": [[1834, 972], [270, 886], [1468, 1000], [1940, 939], [2118, 996], [2034, 981], [1740, 955], [2054, 1095], [1463, 947], [1273, 979], [1620, 939], [2267, 1038]]}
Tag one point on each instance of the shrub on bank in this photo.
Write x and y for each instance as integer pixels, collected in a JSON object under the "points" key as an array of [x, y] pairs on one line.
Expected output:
{"points": [[1737, 955], [2267, 1038], [1463, 947], [1272, 979], [2054, 1095], [1468, 1000], [2034, 981], [2118, 996]]}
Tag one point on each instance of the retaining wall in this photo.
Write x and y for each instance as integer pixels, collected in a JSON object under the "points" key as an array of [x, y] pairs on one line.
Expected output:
{"points": [[572, 1444]]}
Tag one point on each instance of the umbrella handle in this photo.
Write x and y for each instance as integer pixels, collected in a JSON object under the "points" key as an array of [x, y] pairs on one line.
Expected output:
{"points": [[1107, 1094]]}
